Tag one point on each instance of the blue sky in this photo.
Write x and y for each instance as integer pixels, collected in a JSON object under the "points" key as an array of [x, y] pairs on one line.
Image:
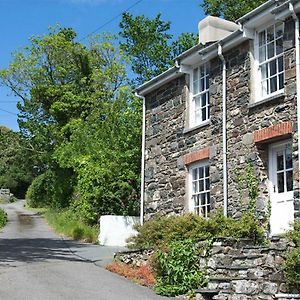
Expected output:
{"points": [[20, 19]]}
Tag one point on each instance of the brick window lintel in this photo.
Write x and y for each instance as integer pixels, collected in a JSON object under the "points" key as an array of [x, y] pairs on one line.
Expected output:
{"points": [[272, 132], [196, 156]]}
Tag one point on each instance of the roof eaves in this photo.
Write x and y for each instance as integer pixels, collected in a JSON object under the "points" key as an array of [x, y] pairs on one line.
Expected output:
{"points": [[256, 11], [157, 81]]}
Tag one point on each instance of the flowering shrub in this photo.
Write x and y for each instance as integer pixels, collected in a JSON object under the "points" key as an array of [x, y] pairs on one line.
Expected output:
{"points": [[142, 275]]}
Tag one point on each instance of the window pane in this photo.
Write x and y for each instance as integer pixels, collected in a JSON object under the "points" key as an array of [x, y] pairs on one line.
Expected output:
{"points": [[289, 181], [206, 184], [280, 182], [201, 185], [279, 30], [281, 83], [262, 54], [203, 99], [280, 64], [273, 84], [195, 188], [207, 82], [198, 116], [196, 200], [203, 199], [270, 50], [279, 46], [197, 102], [206, 171], [204, 117], [197, 210], [264, 71], [195, 174], [201, 172], [270, 34], [272, 66], [202, 82], [262, 38], [288, 159], [279, 161]]}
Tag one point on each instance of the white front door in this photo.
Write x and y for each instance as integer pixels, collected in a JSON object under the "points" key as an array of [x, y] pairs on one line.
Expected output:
{"points": [[281, 187]]}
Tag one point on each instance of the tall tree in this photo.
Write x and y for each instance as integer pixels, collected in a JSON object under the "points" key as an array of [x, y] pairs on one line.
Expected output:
{"points": [[230, 10], [76, 114], [16, 165], [146, 42], [150, 45]]}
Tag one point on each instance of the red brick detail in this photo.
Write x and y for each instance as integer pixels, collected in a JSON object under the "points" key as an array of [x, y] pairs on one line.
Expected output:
{"points": [[272, 132], [196, 156]]}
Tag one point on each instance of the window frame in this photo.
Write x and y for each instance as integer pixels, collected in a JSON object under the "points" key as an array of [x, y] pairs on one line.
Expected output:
{"points": [[207, 206], [192, 106], [258, 65]]}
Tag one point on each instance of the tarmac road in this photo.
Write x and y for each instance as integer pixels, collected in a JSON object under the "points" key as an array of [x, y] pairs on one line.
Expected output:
{"points": [[37, 264]]}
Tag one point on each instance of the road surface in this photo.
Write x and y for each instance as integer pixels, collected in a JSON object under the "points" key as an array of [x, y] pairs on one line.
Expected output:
{"points": [[37, 264]]}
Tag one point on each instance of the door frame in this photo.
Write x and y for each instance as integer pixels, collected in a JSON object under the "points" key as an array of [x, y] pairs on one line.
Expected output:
{"points": [[272, 170]]}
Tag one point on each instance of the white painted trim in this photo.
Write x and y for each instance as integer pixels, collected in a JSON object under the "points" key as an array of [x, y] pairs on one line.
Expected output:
{"points": [[142, 200], [224, 132], [191, 167], [257, 65], [192, 122]]}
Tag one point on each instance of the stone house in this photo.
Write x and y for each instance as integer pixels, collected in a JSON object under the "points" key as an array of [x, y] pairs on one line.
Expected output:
{"points": [[230, 100]]}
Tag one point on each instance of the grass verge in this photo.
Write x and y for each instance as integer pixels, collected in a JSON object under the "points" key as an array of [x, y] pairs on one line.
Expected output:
{"points": [[66, 223], [3, 218]]}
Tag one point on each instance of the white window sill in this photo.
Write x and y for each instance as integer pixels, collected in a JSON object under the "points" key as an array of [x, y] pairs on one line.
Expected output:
{"points": [[203, 124], [267, 99]]}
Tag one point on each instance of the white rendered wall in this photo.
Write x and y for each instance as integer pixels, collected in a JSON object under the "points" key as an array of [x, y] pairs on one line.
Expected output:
{"points": [[115, 230]]}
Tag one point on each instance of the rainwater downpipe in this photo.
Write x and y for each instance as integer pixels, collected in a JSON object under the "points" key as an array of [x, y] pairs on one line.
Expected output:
{"points": [[224, 133], [291, 8], [142, 159]]}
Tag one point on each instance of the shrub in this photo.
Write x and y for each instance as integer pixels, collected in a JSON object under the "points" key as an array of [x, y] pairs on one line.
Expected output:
{"points": [[292, 268], [177, 269], [163, 229], [292, 258], [142, 275], [51, 189], [3, 218]]}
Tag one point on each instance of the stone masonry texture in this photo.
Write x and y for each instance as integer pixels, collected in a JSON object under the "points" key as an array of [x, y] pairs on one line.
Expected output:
{"points": [[171, 146]]}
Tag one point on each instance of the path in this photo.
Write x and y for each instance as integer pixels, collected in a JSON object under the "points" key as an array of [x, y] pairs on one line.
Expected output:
{"points": [[37, 264]]}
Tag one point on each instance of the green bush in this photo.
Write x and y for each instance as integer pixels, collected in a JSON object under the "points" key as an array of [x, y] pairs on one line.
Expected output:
{"points": [[292, 259], [50, 189], [177, 269], [163, 229], [3, 218], [67, 223], [292, 268]]}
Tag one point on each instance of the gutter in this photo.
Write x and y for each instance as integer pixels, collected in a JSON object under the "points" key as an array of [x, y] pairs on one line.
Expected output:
{"points": [[158, 81], [296, 20], [142, 200], [256, 11], [224, 133]]}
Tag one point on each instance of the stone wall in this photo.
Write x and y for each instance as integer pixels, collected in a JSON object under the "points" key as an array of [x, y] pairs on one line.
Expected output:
{"points": [[244, 271], [236, 270], [169, 140]]}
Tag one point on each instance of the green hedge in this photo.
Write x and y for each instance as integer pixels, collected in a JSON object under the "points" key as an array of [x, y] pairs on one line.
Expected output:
{"points": [[166, 229]]}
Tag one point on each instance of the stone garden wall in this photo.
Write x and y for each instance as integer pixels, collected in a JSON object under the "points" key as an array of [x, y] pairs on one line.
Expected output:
{"points": [[237, 270]]}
